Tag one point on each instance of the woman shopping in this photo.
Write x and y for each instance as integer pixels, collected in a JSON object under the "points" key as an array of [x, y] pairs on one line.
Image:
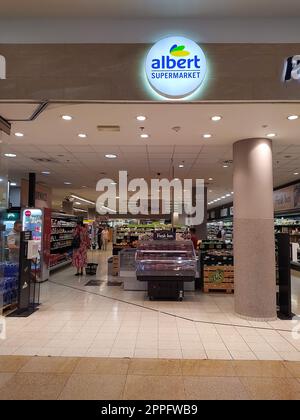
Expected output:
{"points": [[81, 244]]}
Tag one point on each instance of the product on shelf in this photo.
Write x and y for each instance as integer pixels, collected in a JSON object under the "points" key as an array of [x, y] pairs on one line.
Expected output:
{"points": [[9, 285], [62, 233]]}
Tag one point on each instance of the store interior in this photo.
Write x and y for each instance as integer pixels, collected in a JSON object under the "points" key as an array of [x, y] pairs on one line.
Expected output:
{"points": [[116, 308]]}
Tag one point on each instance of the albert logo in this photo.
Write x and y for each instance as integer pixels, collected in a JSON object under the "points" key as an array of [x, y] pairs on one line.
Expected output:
{"points": [[179, 51], [2, 67], [175, 67], [292, 68]]}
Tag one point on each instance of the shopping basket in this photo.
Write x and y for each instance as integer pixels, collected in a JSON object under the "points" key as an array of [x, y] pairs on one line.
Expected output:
{"points": [[92, 267]]}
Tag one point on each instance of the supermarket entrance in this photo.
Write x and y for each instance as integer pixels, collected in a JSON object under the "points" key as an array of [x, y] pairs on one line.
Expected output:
{"points": [[149, 141]]}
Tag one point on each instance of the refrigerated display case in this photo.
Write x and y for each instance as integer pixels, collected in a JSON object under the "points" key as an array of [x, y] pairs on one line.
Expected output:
{"points": [[166, 265], [9, 264]]}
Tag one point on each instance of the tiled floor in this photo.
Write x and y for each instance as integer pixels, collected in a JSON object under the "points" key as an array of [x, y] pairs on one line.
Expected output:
{"points": [[148, 379], [75, 320]]}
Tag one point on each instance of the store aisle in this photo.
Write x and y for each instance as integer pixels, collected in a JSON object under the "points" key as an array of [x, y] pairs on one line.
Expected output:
{"points": [[105, 321], [131, 379]]}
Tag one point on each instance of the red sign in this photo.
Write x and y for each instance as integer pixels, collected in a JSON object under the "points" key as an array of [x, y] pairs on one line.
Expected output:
{"points": [[27, 213]]}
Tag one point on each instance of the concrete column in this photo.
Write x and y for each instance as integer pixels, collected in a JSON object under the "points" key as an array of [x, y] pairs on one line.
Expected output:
{"points": [[254, 242]]}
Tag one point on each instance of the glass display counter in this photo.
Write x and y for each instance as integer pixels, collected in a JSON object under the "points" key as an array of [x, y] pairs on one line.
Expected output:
{"points": [[166, 265]]}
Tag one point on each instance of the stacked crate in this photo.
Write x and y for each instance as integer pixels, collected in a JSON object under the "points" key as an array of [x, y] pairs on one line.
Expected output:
{"points": [[219, 278]]}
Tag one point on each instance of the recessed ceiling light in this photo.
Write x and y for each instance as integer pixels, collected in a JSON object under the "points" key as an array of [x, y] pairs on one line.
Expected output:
{"points": [[19, 134], [67, 183], [13, 184], [82, 135], [10, 155], [110, 156], [84, 186], [210, 191], [232, 192], [207, 136], [271, 135], [67, 117], [210, 179], [228, 195], [180, 166], [216, 118], [46, 173], [141, 118], [144, 136], [225, 166], [293, 117], [223, 197], [296, 173]]}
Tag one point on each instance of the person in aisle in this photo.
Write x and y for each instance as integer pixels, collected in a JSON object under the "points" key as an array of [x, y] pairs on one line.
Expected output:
{"points": [[81, 244], [105, 238], [13, 242], [221, 234], [99, 237], [194, 238]]}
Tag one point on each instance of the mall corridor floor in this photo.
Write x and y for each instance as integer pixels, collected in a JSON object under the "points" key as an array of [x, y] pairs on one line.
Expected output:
{"points": [[42, 378], [76, 320]]}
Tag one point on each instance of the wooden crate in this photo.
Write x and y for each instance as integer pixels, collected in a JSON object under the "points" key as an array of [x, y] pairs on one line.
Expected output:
{"points": [[226, 287], [219, 278], [219, 274]]}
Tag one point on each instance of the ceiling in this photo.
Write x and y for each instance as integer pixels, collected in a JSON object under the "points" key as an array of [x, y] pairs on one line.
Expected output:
{"points": [[130, 9], [82, 162]]}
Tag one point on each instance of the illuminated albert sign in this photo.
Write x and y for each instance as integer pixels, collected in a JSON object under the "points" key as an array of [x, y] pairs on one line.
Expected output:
{"points": [[2, 67], [175, 67]]}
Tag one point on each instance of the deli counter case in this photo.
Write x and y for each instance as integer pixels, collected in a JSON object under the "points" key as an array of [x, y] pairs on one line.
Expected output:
{"points": [[166, 266]]}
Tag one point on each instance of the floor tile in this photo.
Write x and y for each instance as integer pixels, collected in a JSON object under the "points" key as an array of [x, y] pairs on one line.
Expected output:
{"points": [[243, 355], [208, 388], [208, 368], [155, 367], [50, 365], [145, 353], [12, 363], [93, 387], [272, 388], [119, 352], [169, 353], [268, 355], [105, 366], [294, 368], [140, 387], [4, 378], [194, 354], [33, 386], [218, 354], [261, 369]]}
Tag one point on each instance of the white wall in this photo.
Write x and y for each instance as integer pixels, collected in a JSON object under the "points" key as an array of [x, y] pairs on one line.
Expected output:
{"points": [[147, 31]]}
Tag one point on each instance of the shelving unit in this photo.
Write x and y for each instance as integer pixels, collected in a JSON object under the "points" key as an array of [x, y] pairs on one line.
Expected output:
{"points": [[62, 232], [214, 227]]}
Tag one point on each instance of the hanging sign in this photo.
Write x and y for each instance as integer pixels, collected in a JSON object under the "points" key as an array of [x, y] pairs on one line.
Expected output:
{"points": [[175, 67]]}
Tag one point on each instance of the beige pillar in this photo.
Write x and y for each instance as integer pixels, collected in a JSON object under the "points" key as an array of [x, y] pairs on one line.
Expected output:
{"points": [[254, 242]]}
